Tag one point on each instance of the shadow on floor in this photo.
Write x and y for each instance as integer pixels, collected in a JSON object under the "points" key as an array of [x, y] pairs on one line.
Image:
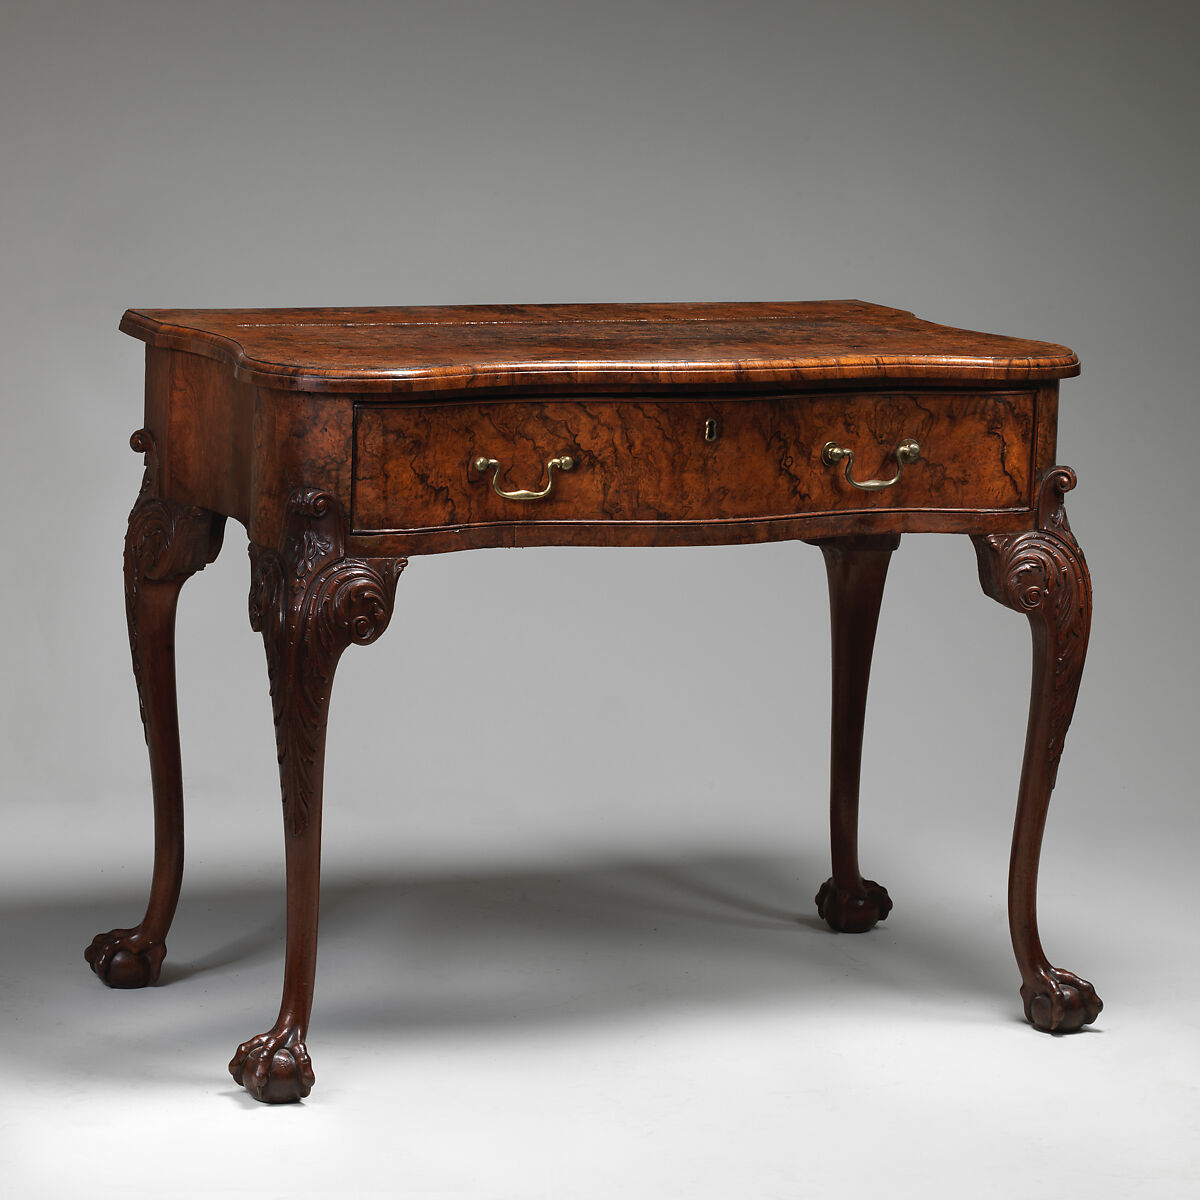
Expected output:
{"points": [[406, 955]]}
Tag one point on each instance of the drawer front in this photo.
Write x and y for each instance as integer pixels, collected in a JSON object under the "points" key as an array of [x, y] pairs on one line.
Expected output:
{"points": [[653, 459]]}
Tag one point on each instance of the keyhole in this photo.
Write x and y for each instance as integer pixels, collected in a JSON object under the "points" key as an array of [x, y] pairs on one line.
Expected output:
{"points": [[710, 430]]}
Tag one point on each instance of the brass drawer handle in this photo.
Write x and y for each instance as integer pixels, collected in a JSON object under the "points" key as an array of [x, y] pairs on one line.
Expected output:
{"points": [[907, 452], [564, 462]]}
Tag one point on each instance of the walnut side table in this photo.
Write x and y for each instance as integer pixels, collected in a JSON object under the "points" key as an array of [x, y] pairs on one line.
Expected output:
{"points": [[347, 440]]}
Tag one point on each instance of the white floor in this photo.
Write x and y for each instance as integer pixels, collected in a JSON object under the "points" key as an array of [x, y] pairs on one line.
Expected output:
{"points": [[644, 1027]]}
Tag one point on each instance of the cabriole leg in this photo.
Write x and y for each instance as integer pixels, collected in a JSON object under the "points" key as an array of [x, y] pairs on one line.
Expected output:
{"points": [[310, 603], [857, 569], [1042, 573], [166, 543]]}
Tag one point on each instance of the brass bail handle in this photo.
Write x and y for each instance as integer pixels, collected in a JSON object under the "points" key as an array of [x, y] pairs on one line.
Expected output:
{"points": [[907, 453], [483, 464]]}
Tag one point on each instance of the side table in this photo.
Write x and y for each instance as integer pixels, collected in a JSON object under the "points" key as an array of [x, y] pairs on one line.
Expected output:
{"points": [[347, 440]]}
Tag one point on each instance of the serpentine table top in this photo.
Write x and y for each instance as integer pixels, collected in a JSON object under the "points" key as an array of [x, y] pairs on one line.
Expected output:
{"points": [[410, 350]]}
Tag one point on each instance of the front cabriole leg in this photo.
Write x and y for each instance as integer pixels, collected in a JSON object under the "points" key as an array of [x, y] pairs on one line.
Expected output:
{"points": [[166, 543], [309, 602], [1042, 573], [857, 569]]}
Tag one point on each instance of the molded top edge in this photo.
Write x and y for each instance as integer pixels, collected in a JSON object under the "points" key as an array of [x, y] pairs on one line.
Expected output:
{"points": [[423, 349]]}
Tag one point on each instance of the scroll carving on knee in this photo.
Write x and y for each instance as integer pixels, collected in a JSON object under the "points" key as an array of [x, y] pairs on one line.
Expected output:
{"points": [[310, 603], [166, 543]]}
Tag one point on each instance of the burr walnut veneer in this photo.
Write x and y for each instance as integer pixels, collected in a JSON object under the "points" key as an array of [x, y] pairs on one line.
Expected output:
{"points": [[347, 440]]}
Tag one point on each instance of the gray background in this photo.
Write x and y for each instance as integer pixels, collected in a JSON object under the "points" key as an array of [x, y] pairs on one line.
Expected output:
{"points": [[577, 797]]}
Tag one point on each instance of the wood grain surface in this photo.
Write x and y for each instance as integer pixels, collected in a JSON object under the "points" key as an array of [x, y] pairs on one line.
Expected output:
{"points": [[580, 346], [648, 460]]}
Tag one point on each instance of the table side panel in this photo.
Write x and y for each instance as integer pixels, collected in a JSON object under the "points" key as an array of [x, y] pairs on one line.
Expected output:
{"points": [[300, 440], [1045, 451], [201, 419], [647, 460]]}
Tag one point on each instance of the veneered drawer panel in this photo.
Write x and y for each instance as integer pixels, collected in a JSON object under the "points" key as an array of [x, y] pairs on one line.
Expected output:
{"points": [[648, 459]]}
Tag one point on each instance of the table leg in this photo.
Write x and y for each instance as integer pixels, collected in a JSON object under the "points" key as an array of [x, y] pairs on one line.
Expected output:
{"points": [[166, 543], [309, 602], [1042, 573], [857, 569]]}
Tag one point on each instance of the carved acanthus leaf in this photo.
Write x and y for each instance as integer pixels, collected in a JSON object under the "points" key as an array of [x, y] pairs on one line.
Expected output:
{"points": [[310, 603], [164, 541], [1042, 573]]}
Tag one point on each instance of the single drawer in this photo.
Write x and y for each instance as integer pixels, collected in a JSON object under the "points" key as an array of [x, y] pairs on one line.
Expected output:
{"points": [[662, 460]]}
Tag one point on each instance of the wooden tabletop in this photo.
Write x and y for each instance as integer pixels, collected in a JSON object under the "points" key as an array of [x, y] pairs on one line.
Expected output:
{"points": [[389, 350]]}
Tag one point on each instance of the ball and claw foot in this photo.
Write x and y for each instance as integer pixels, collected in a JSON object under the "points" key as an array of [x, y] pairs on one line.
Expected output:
{"points": [[125, 958], [274, 1067], [1061, 1002], [853, 910]]}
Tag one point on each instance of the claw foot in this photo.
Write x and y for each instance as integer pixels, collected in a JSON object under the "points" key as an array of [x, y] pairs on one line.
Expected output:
{"points": [[1060, 1002], [126, 958], [274, 1067], [853, 910]]}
